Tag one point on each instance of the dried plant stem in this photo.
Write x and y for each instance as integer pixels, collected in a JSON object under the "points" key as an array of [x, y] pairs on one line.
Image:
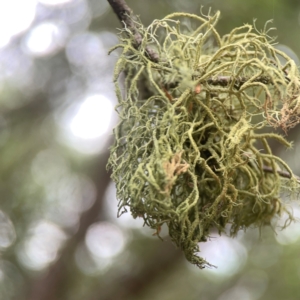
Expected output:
{"points": [[283, 174]]}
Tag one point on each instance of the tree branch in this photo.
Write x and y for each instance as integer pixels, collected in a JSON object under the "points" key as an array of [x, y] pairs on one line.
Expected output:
{"points": [[126, 16], [283, 174], [238, 82]]}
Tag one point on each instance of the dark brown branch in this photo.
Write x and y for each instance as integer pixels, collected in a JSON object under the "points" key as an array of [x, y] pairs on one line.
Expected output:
{"points": [[126, 16], [283, 174], [238, 82]]}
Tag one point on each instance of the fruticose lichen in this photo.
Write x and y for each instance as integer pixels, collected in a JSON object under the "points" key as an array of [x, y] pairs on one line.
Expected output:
{"points": [[190, 150]]}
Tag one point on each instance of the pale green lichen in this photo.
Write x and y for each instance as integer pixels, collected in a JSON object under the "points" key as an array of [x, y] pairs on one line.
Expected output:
{"points": [[189, 150]]}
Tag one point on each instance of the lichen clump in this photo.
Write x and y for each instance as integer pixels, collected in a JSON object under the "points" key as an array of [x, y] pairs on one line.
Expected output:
{"points": [[190, 151]]}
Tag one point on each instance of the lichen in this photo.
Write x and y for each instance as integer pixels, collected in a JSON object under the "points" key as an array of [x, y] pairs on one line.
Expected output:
{"points": [[190, 150]]}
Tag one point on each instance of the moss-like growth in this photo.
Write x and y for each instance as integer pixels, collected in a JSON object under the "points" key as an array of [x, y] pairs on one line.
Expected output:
{"points": [[189, 150]]}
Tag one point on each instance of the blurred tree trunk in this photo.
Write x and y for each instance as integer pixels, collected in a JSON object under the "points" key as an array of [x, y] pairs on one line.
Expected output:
{"points": [[54, 283]]}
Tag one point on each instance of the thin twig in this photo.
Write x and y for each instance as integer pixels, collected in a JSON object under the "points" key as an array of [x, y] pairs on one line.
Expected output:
{"points": [[126, 16], [283, 174], [238, 82]]}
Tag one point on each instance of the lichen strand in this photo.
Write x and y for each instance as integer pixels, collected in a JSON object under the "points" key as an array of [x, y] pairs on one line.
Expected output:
{"points": [[189, 151]]}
